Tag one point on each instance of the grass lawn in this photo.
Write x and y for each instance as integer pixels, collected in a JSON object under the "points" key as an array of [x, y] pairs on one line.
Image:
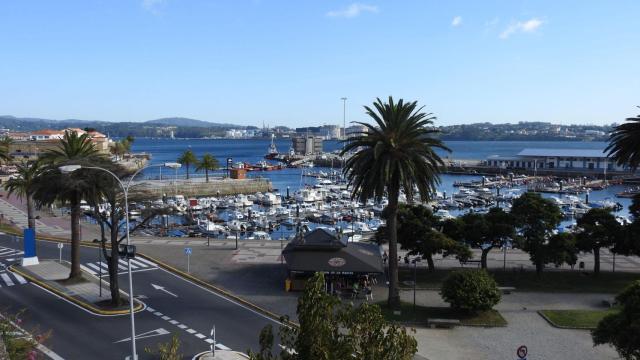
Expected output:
{"points": [[489, 318], [588, 319], [550, 281]]}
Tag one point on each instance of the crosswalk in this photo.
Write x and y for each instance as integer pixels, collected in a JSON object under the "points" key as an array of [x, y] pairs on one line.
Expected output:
{"points": [[7, 253], [137, 264]]}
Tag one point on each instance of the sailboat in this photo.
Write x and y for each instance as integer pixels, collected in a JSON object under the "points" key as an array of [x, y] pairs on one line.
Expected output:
{"points": [[273, 151]]}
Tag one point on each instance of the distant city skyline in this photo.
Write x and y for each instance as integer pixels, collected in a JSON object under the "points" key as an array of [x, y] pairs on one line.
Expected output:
{"points": [[282, 63]]}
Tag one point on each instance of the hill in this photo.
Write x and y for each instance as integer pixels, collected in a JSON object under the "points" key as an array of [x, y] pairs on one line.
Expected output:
{"points": [[179, 121]]}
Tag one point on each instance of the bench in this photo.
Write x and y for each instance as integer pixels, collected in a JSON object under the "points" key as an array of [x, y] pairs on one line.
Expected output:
{"points": [[442, 323], [506, 289]]}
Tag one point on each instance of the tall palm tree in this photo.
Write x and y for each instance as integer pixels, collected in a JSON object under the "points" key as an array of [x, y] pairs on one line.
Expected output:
{"points": [[24, 186], [5, 142], [624, 143], [52, 185], [208, 162], [188, 158], [397, 153]]}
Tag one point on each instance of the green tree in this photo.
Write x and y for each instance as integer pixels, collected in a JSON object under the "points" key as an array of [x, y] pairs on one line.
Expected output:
{"points": [[52, 185], [397, 153], [470, 290], [187, 159], [622, 329], [623, 143], [536, 218], [23, 184], [561, 249], [331, 330], [598, 228], [208, 163], [5, 142], [416, 233], [487, 231]]}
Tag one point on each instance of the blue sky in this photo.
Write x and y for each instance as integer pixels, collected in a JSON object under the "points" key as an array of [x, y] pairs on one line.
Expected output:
{"points": [[290, 62]]}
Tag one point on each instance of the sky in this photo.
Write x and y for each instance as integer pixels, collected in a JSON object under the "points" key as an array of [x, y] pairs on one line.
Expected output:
{"points": [[290, 62]]}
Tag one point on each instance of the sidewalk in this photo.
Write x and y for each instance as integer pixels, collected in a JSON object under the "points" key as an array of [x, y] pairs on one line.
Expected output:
{"points": [[14, 211], [52, 276]]}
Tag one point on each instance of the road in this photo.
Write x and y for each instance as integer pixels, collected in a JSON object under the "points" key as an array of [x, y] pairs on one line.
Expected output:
{"points": [[173, 306]]}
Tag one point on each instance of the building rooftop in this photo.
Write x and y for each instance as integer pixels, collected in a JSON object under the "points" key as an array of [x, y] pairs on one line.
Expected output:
{"points": [[589, 153]]}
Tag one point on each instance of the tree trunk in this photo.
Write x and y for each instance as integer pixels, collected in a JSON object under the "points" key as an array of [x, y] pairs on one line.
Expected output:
{"points": [[75, 237], [206, 174], [393, 300], [31, 220], [187, 171], [114, 286], [432, 266], [596, 260], [483, 257], [539, 267]]}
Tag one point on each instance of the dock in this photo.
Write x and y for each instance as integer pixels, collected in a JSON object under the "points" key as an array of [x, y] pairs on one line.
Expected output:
{"points": [[198, 187]]}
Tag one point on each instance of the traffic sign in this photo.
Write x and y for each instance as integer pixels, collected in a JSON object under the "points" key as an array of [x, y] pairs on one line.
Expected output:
{"points": [[60, 245], [188, 251], [522, 352]]}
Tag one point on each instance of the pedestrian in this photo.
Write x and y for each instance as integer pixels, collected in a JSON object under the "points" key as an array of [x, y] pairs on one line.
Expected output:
{"points": [[385, 257]]}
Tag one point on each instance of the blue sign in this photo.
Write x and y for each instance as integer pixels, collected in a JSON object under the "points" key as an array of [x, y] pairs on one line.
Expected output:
{"points": [[188, 251], [29, 243]]}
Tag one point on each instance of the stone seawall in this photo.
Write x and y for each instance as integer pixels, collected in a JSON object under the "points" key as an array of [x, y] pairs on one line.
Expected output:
{"points": [[198, 187]]}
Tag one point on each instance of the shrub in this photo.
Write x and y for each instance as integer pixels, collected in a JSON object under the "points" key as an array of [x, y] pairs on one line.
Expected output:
{"points": [[470, 290]]}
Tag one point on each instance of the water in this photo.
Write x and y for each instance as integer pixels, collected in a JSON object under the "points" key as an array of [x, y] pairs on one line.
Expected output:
{"points": [[253, 151]]}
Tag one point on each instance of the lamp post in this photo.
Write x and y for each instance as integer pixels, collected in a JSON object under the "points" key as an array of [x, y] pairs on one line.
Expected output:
{"points": [[415, 262], [130, 250], [344, 118]]}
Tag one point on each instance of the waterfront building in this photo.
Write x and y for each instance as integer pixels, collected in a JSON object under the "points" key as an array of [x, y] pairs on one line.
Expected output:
{"points": [[28, 146], [560, 159], [307, 145]]}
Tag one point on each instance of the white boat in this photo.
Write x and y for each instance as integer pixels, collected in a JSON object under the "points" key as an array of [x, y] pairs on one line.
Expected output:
{"points": [[269, 199], [259, 235], [306, 195], [443, 214], [360, 227], [209, 227], [236, 225]]}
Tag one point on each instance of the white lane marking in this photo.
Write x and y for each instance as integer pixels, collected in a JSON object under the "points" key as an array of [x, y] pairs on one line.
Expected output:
{"points": [[182, 326], [150, 309], [124, 263], [89, 270], [210, 341], [173, 322], [222, 347], [138, 264], [20, 279], [161, 288], [157, 313], [200, 336], [165, 318], [191, 331], [146, 261], [7, 279], [148, 334]]}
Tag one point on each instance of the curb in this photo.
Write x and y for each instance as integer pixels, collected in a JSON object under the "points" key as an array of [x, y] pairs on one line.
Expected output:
{"points": [[560, 326], [139, 306], [219, 290]]}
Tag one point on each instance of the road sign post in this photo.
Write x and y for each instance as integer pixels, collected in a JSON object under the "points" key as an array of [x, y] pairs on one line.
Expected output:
{"points": [[60, 246], [188, 252]]}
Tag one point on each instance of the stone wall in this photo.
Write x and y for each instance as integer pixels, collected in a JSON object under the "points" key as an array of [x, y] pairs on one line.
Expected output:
{"points": [[199, 187]]}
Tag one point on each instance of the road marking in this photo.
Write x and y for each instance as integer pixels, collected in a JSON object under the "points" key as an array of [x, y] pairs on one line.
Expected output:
{"points": [[7, 279], [146, 261], [124, 263], [161, 288], [182, 326], [165, 318], [89, 270], [20, 279], [191, 331], [173, 322], [148, 334], [138, 264], [222, 347], [157, 313], [150, 309], [200, 336]]}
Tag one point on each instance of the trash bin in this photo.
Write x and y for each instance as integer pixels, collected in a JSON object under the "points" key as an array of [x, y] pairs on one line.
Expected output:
{"points": [[287, 285]]}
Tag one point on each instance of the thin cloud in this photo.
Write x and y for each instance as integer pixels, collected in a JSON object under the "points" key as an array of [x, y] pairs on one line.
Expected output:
{"points": [[529, 26], [151, 5], [353, 10], [457, 21]]}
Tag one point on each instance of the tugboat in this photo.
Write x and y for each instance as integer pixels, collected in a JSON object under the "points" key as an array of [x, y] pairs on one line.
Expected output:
{"points": [[273, 151]]}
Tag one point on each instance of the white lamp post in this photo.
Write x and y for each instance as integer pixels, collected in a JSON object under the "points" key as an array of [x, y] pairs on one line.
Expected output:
{"points": [[67, 169]]}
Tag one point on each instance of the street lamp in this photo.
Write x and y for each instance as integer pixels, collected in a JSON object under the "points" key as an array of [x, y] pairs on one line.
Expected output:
{"points": [[344, 117], [129, 249]]}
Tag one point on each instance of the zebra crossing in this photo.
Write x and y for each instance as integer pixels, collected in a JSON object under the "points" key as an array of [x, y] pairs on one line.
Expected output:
{"points": [[137, 264], [9, 254]]}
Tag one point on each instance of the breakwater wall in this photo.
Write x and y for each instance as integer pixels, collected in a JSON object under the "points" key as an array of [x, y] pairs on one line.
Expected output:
{"points": [[199, 187]]}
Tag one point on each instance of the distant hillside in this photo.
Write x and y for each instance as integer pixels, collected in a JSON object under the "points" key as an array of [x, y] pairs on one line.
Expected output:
{"points": [[178, 121]]}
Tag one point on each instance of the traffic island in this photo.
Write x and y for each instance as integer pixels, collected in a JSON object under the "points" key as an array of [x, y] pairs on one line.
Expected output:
{"points": [[221, 355], [85, 292], [427, 316], [576, 319]]}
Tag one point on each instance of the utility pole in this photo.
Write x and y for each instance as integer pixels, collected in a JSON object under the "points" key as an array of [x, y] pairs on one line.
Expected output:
{"points": [[344, 118]]}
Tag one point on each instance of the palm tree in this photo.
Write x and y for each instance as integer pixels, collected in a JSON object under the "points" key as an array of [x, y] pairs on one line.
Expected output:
{"points": [[24, 186], [624, 143], [4, 148], [52, 185], [188, 158], [208, 162], [397, 153]]}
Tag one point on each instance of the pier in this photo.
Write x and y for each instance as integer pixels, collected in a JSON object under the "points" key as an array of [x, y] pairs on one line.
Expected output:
{"points": [[154, 189]]}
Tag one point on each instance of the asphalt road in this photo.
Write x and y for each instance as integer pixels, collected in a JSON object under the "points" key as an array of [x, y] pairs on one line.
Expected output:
{"points": [[180, 307]]}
